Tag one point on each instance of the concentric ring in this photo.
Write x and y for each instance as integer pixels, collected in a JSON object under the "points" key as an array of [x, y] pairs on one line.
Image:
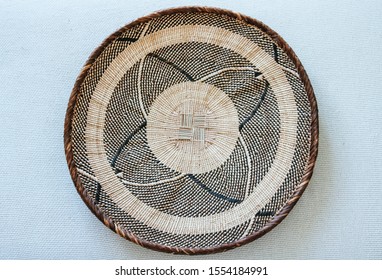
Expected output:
{"points": [[287, 95]]}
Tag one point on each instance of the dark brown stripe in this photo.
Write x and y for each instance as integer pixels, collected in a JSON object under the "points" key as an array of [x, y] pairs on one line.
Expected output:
{"points": [[172, 65]]}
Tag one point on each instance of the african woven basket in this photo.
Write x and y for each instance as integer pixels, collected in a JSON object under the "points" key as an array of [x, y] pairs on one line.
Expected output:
{"points": [[192, 130]]}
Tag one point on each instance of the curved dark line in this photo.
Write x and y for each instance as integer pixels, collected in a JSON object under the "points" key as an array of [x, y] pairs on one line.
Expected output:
{"points": [[218, 195], [262, 97], [264, 213], [98, 192], [126, 142], [172, 65], [127, 39], [276, 53]]}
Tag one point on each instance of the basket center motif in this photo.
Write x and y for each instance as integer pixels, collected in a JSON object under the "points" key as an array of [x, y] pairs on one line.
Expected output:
{"points": [[192, 127]]}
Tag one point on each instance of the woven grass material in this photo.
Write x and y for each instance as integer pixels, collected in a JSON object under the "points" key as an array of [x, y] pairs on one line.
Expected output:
{"points": [[192, 130]]}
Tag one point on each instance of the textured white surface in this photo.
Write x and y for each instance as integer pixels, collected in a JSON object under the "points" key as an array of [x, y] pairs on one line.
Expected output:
{"points": [[42, 49]]}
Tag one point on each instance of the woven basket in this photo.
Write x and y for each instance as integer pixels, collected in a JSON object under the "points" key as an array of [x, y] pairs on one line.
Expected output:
{"points": [[192, 130]]}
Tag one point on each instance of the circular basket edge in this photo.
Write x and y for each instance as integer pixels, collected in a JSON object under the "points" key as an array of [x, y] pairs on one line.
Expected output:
{"points": [[284, 211]]}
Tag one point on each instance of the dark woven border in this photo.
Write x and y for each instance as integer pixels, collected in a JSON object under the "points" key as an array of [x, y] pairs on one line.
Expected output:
{"points": [[277, 218]]}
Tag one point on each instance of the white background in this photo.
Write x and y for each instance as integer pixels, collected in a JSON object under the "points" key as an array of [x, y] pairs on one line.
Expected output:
{"points": [[43, 46]]}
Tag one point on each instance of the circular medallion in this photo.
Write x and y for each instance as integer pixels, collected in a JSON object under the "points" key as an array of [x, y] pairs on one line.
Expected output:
{"points": [[192, 127], [192, 130]]}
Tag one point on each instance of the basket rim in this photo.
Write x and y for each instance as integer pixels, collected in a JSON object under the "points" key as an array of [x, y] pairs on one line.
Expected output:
{"points": [[283, 212]]}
